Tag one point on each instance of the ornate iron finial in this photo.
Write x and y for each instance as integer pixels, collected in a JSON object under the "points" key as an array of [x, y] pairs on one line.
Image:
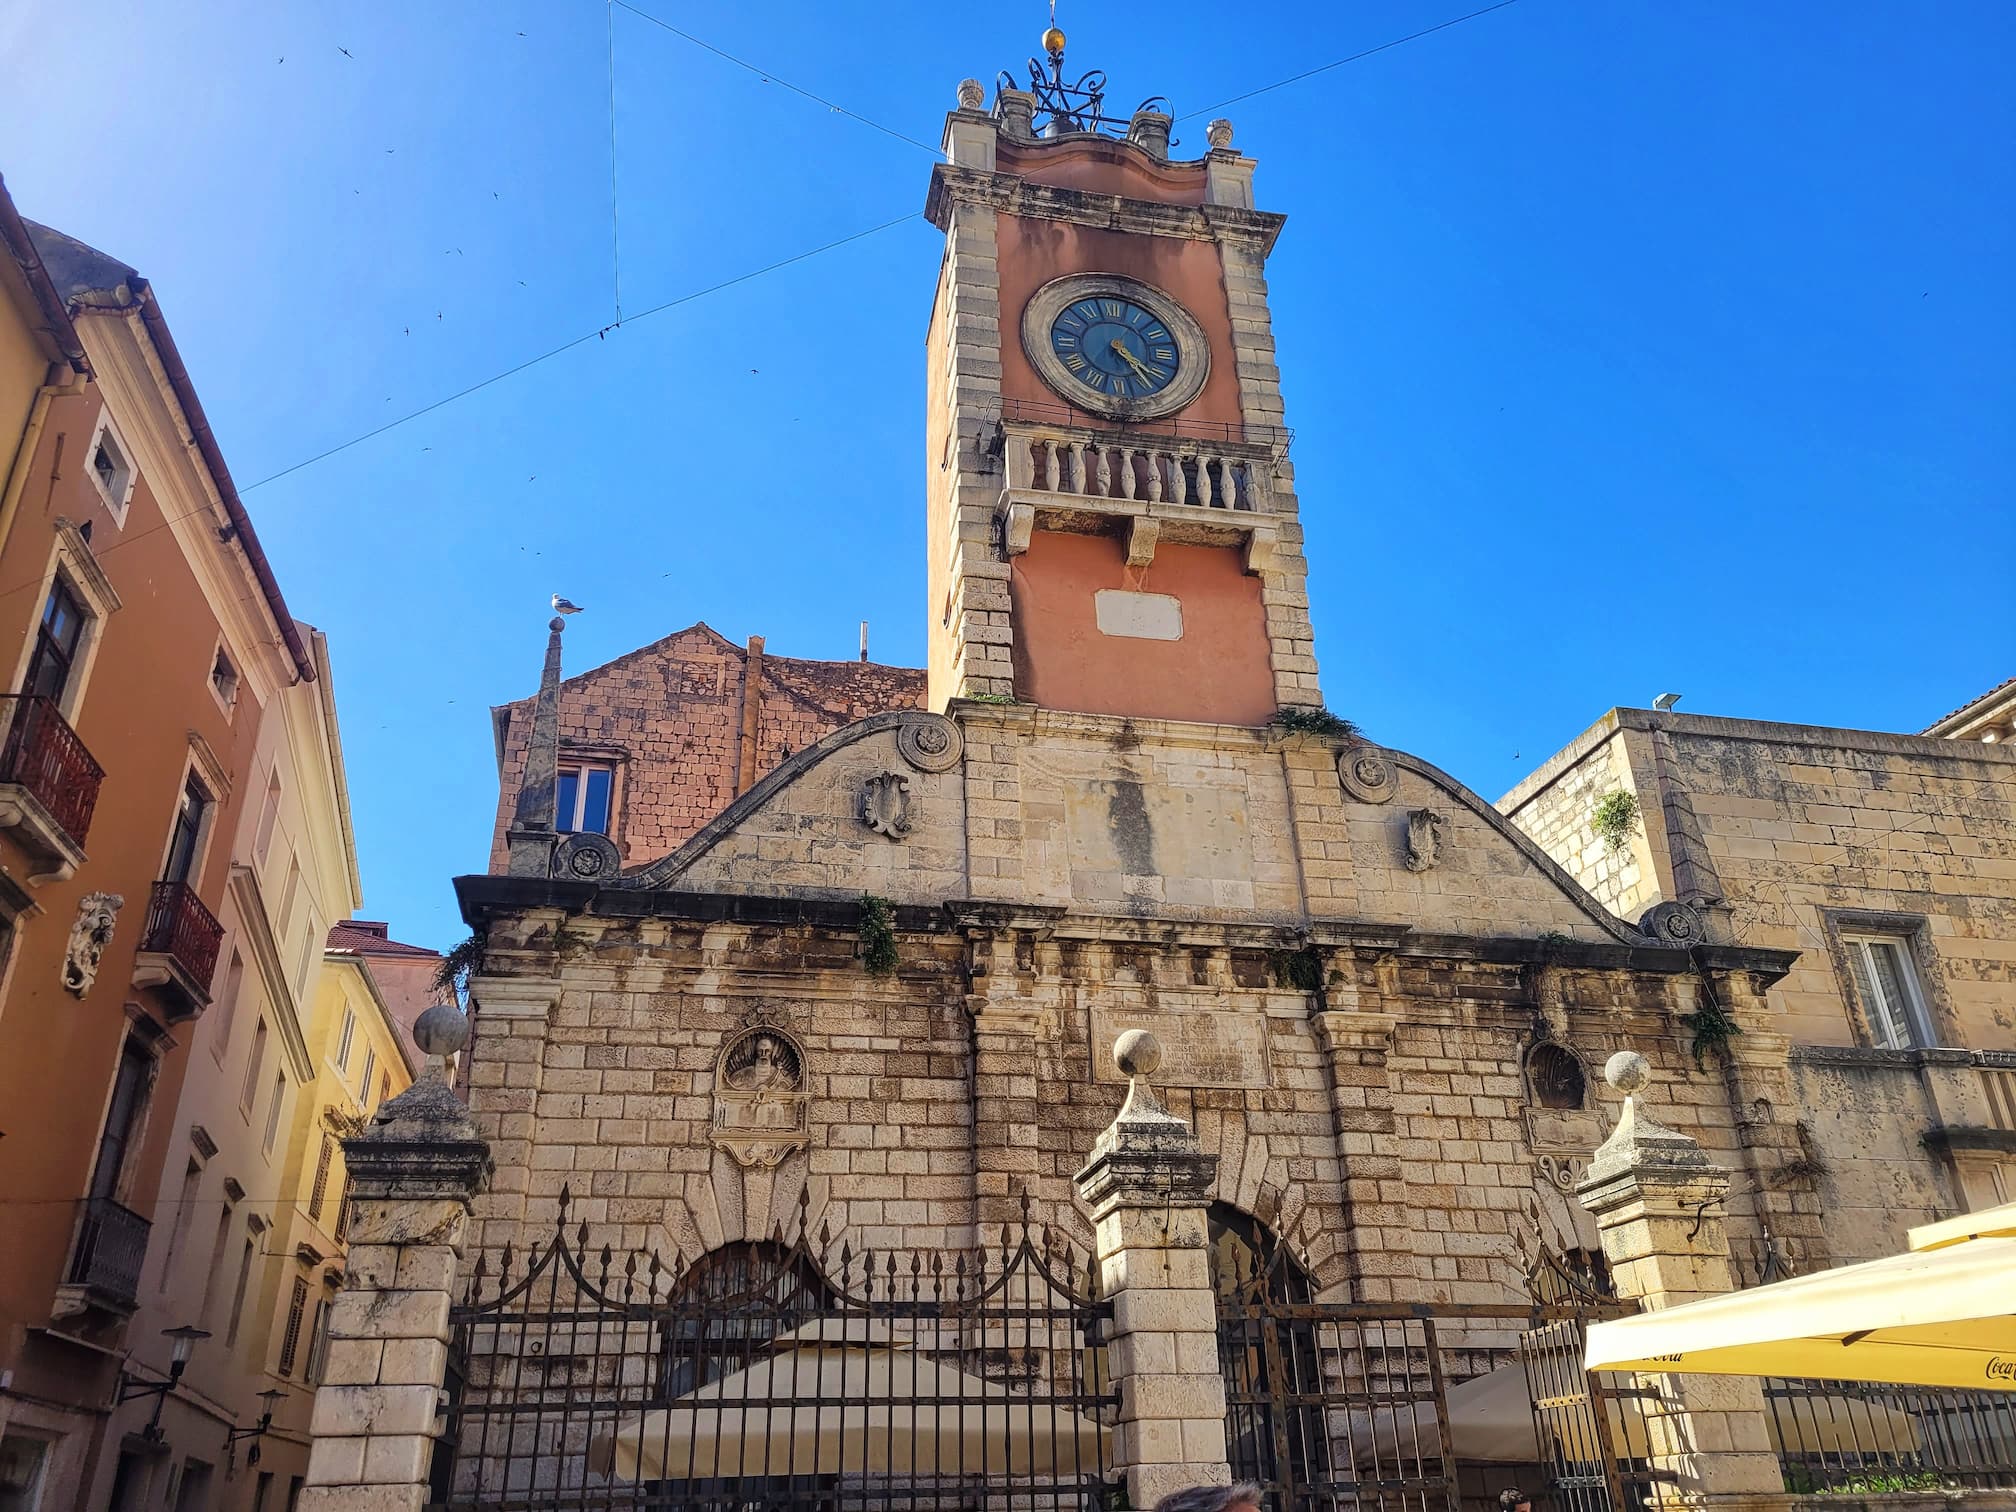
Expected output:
{"points": [[1063, 108]]}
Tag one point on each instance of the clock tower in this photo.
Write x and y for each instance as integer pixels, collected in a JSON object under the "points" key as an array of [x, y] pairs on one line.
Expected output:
{"points": [[1113, 525]]}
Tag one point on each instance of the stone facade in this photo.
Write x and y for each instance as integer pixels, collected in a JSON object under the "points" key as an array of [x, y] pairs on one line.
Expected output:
{"points": [[689, 722], [1806, 839]]}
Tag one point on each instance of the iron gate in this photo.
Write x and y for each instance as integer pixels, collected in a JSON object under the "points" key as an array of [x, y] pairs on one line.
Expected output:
{"points": [[764, 1376]]}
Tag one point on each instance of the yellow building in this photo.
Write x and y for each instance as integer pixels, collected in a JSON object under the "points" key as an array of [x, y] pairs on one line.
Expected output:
{"points": [[359, 1059]]}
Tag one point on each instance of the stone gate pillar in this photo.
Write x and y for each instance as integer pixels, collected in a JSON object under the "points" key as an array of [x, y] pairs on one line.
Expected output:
{"points": [[1658, 1201], [1147, 1185], [413, 1175]]}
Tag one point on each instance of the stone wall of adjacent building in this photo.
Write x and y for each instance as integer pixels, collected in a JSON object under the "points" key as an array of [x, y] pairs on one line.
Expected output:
{"points": [[1560, 816], [674, 718], [1797, 835]]}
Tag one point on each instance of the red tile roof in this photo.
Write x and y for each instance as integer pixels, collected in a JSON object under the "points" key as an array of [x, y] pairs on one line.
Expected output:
{"points": [[367, 937]]}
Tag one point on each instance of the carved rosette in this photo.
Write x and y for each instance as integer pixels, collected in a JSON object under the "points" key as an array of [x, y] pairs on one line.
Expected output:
{"points": [[761, 1112], [1367, 775], [885, 804], [586, 858], [1672, 924], [930, 743]]}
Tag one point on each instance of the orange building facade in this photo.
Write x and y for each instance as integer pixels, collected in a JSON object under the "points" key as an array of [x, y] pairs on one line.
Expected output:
{"points": [[143, 639]]}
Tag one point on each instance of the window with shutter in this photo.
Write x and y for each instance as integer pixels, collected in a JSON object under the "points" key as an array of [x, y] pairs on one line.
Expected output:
{"points": [[291, 1340], [343, 1041], [321, 1189], [343, 1211], [1892, 1004]]}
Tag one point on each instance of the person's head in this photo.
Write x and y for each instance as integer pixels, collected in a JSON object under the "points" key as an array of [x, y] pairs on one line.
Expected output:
{"points": [[1514, 1500], [1240, 1496], [766, 1051]]}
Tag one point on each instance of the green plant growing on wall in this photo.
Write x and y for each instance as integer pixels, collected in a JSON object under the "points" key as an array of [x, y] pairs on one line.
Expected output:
{"points": [[878, 935], [1297, 970], [1300, 719], [990, 698], [1713, 1027], [1615, 819], [461, 963]]}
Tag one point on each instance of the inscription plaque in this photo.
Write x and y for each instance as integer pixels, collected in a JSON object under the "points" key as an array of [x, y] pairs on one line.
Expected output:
{"points": [[1201, 1047]]}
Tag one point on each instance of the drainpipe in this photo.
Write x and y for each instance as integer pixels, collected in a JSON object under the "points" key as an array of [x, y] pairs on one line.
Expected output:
{"points": [[63, 382]]}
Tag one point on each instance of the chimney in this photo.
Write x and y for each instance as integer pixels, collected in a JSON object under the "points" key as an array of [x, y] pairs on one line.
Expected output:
{"points": [[864, 640]]}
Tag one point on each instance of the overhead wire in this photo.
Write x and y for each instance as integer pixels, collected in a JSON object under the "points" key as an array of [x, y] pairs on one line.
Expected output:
{"points": [[615, 237], [1310, 73], [770, 78]]}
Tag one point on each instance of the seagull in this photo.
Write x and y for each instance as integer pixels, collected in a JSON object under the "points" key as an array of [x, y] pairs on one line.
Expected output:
{"points": [[564, 605], [347, 53]]}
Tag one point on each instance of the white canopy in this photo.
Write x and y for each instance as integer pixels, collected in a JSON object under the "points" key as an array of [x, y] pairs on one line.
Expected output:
{"points": [[1943, 1314], [840, 1399]]}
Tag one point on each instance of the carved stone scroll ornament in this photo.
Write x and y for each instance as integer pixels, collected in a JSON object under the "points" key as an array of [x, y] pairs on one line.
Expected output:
{"points": [[90, 933], [1424, 839], [760, 1107], [1672, 924], [586, 858], [885, 804], [1367, 775], [930, 743]]}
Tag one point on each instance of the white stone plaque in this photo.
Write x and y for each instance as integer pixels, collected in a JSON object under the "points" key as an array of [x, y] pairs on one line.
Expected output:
{"points": [[1138, 616], [1201, 1047]]}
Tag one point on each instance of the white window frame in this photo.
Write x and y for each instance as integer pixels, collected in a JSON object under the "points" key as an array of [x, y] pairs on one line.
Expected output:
{"points": [[581, 766], [227, 698], [118, 495], [202, 764], [344, 1039], [1916, 1014], [71, 560]]}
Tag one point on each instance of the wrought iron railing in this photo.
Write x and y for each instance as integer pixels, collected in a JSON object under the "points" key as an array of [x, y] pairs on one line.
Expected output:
{"points": [[1852, 1437], [181, 928], [110, 1246], [43, 754], [780, 1375]]}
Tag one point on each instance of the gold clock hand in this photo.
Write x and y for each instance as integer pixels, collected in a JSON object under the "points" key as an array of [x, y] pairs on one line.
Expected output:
{"points": [[1131, 360]]}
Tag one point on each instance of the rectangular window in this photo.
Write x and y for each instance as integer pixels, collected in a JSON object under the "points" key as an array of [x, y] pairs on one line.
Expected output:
{"points": [[57, 637], [1888, 987], [238, 1291], [179, 1220], [188, 834], [273, 1112], [253, 1068], [220, 1249], [318, 1343], [224, 680], [269, 815], [111, 469], [343, 1040], [321, 1189], [343, 1211], [262, 1493], [291, 1339], [23, 1460], [227, 1008], [583, 799], [122, 1118], [364, 1081]]}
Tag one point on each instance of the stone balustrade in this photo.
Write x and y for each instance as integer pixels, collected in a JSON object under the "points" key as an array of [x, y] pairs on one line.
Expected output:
{"points": [[1157, 470]]}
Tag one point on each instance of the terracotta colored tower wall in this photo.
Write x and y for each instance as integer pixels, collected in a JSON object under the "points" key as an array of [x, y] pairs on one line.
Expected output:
{"points": [[1216, 672]]}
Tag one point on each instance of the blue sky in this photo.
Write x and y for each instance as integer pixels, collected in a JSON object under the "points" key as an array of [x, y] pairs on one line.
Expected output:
{"points": [[1628, 347]]}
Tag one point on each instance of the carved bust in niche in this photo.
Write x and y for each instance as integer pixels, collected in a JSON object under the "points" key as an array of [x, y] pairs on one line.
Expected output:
{"points": [[759, 1097]]}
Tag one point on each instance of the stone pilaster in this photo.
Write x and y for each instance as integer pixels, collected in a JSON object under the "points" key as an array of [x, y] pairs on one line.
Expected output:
{"points": [[1658, 1202], [1006, 1141], [1147, 1185], [507, 1074], [1757, 1071], [414, 1173], [1357, 1045]]}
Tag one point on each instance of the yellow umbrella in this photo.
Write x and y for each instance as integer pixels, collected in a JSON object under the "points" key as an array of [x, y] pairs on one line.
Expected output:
{"points": [[838, 1397], [1943, 1314]]}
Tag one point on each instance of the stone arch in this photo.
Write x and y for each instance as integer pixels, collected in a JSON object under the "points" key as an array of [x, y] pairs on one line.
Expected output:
{"points": [[1556, 1077]]}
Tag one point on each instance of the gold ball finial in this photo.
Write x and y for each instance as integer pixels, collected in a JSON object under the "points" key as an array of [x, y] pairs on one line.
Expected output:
{"points": [[1053, 39]]}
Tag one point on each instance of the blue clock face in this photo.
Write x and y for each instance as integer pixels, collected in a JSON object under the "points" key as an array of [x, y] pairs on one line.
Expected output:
{"points": [[1115, 347]]}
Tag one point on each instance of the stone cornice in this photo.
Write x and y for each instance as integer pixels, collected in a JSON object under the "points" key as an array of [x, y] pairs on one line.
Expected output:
{"points": [[1255, 230]]}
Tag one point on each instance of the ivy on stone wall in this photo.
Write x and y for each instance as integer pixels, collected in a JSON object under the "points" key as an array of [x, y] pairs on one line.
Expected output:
{"points": [[1713, 1027], [1297, 970], [1614, 819], [878, 935], [1301, 719], [461, 963]]}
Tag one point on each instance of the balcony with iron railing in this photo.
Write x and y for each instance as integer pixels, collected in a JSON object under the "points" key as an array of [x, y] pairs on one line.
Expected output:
{"points": [[105, 1257], [1157, 486], [178, 949], [49, 786]]}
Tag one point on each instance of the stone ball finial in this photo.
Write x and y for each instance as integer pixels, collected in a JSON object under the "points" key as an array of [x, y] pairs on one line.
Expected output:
{"points": [[1627, 1071], [1219, 133], [442, 1030], [1138, 1054], [972, 94], [556, 624]]}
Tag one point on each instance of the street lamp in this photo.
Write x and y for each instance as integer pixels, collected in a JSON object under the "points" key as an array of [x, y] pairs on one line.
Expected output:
{"points": [[272, 1398], [182, 1340]]}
